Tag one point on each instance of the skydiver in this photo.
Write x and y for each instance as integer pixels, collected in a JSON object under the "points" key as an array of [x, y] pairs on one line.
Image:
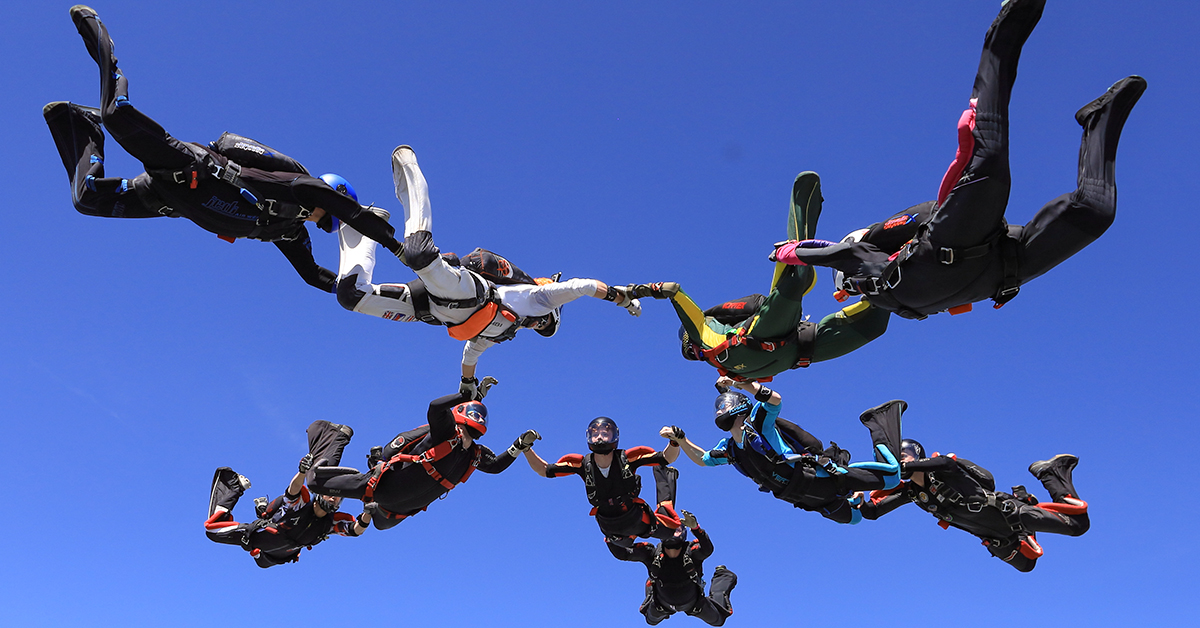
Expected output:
{"points": [[962, 494], [291, 521], [419, 465], [676, 581], [790, 463], [758, 337], [610, 476], [961, 248], [472, 307], [235, 187]]}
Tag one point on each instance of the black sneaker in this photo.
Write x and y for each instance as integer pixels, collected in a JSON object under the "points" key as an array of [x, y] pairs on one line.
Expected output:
{"points": [[1122, 96], [1041, 467]]}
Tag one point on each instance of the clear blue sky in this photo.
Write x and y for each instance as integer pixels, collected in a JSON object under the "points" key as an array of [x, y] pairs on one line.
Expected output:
{"points": [[626, 141]]}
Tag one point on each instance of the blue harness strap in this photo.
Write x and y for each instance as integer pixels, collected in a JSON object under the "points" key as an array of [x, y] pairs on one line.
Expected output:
{"points": [[891, 467]]}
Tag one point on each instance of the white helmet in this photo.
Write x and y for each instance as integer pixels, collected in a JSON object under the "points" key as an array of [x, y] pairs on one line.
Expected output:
{"points": [[839, 278]]}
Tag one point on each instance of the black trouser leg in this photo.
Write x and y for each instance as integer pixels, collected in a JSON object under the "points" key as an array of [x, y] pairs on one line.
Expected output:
{"points": [[974, 210], [80, 142], [665, 479], [232, 535], [651, 609], [884, 424], [326, 442], [1039, 520], [1072, 221], [134, 131], [716, 608], [350, 485]]}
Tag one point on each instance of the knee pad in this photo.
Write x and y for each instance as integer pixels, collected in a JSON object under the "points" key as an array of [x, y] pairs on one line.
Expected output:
{"points": [[419, 250], [348, 294]]}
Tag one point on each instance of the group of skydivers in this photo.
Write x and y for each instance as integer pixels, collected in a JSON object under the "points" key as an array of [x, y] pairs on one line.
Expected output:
{"points": [[941, 255]]}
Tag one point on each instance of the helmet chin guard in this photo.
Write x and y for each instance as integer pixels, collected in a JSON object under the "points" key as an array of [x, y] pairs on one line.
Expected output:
{"points": [[603, 436]]}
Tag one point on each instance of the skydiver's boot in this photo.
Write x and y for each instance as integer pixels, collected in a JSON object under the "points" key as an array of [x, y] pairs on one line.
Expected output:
{"points": [[375, 457], [667, 520], [227, 487], [659, 290], [327, 441], [1055, 475], [1102, 121]]}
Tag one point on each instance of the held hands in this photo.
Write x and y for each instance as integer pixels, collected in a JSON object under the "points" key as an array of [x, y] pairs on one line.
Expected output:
{"points": [[526, 440], [474, 389], [674, 433], [623, 296]]}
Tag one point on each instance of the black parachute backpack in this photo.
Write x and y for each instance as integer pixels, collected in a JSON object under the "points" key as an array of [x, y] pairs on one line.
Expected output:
{"points": [[254, 154], [737, 310]]}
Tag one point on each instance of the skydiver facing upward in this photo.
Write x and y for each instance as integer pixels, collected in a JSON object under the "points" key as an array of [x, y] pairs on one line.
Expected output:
{"points": [[758, 337], [790, 463], [959, 248], [676, 570], [473, 308], [962, 494], [291, 521], [235, 187], [610, 476], [420, 465]]}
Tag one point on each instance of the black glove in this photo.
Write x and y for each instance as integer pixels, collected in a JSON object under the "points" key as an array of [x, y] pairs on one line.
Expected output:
{"points": [[526, 439], [306, 463], [677, 433]]}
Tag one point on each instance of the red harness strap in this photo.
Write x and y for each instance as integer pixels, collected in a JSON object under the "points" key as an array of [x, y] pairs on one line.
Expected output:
{"points": [[426, 459]]}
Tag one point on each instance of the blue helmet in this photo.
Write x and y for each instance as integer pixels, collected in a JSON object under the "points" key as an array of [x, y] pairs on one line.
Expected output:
{"points": [[603, 435], [340, 184]]}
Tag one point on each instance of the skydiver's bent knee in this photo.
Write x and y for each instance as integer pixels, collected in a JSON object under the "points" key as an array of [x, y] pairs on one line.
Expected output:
{"points": [[349, 293]]}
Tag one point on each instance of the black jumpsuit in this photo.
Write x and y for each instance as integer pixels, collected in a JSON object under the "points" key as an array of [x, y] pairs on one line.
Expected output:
{"points": [[966, 252], [676, 584], [215, 205], [962, 494], [407, 488]]}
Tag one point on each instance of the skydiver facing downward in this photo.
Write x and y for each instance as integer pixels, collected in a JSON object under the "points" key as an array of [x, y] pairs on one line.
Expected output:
{"points": [[235, 187], [790, 463], [676, 570], [291, 521], [610, 476], [962, 494], [757, 337], [476, 309], [420, 465], [961, 248]]}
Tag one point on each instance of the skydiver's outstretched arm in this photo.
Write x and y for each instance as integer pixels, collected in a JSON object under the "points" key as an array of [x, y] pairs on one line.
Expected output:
{"points": [[535, 462], [299, 253], [639, 553], [677, 437], [489, 462], [293, 489], [880, 503]]}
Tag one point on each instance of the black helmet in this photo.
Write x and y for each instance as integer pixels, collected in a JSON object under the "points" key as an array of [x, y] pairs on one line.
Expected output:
{"points": [[729, 407], [603, 435], [912, 448], [677, 540]]}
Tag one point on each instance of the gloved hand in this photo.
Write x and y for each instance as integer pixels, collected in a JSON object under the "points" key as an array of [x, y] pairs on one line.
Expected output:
{"points": [[526, 439], [724, 383], [621, 295], [306, 463], [672, 432], [688, 519], [468, 387], [634, 308], [375, 457], [485, 386]]}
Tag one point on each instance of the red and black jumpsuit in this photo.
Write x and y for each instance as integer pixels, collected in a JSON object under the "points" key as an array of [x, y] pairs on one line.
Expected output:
{"points": [[613, 492], [404, 489], [962, 494]]}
